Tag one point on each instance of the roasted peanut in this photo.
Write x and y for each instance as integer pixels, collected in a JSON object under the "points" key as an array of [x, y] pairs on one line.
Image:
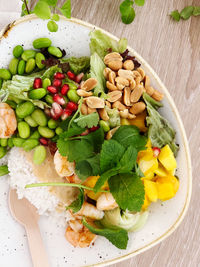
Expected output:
{"points": [[146, 81], [103, 114], [136, 93], [115, 65], [91, 110], [157, 95], [107, 104], [111, 86], [141, 71], [131, 116], [137, 108], [106, 73], [127, 96], [114, 56], [150, 90], [118, 105], [121, 82], [84, 109], [111, 133], [132, 84], [114, 96], [95, 102], [83, 93], [111, 77], [124, 114], [89, 84], [128, 74], [128, 65], [137, 75]]}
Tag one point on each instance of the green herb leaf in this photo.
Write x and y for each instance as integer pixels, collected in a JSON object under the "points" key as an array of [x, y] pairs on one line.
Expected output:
{"points": [[96, 138], [104, 177], [76, 205], [129, 135], [52, 26], [139, 2], [66, 9], [128, 160], [4, 170], [117, 236], [128, 191], [52, 3], [138, 171], [186, 13], [196, 11], [127, 11], [24, 10], [49, 73], [89, 120], [42, 10], [175, 15]]}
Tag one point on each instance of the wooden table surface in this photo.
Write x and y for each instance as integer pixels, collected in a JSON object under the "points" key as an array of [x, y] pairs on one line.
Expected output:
{"points": [[173, 50]]}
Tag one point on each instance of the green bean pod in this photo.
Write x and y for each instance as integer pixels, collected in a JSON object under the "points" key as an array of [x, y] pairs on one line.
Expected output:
{"points": [[23, 129], [21, 67], [73, 96], [105, 126], [49, 99], [31, 121], [46, 82], [5, 74], [4, 142], [59, 130], [29, 144], [39, 155], [24, 109], [39, 116], [41, 43], [38, 59], [55, 51], [13, 66], [18, 142], [17, 51], [52, 124], [28, 54], [37, 93], [35, 135], [10, 142], [72, 86], [30, 65], [46, 132]]}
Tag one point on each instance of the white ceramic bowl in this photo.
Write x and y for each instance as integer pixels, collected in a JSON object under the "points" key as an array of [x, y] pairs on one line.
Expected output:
{"points": [[164, 217]]}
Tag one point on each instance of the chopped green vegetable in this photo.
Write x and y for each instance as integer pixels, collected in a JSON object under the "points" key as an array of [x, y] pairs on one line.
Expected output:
{"points": [[49, 73], [78, 64], [114, 117], [175, 15], [76, 205], [89, 120], [186, 12], [196, 11], [4, 170]]}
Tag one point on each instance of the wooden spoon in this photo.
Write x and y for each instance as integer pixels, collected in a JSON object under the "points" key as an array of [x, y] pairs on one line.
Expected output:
{"points": [[26, 214]]}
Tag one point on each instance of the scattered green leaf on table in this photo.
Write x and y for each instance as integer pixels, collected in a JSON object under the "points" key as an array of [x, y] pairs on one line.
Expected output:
{"points": [[186, 13], [89, 120], [66, 9], [4, 170], [175, 15], [42, 10], [196, 11], [139, 2], [117, 236], [128, 191], [76, 205], [127, 11]]}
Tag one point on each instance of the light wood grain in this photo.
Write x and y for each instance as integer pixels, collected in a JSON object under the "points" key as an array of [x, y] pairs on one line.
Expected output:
{"points": [[173, 50]]}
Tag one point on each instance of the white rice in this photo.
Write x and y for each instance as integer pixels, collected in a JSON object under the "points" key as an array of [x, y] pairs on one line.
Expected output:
{"points": [[21, 174]]}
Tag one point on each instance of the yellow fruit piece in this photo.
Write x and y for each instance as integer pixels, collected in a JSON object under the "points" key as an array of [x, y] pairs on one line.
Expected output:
{"points": [[125, 122], [149, 176], [166, 157], [169, 179], [139, 121], [148, 144], [165, 191], [148, 164], [147, 202], [151, 190], [90, 182], [161, 171]]}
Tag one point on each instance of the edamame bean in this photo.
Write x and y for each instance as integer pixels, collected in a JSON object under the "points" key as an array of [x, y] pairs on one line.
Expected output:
{"points": [[29, 144], [52, 124], [35, 135], [72, 86], [3, 152], [39, 155], [38, 59], [30, 65], [46, 132], [31, 121], [59, 130], [55, 51], [46, 82], [5, 74], [49, 99], [21, 67], [18, 142], [73, 96], [17, 51], [39, 116], [28, 54], [13, 66], [23, 129], [10, 142], [4, 142], [104, 125], [1, 82], [37, 93], [41, 43], [24, 109], [12, 104], [52, 26]]}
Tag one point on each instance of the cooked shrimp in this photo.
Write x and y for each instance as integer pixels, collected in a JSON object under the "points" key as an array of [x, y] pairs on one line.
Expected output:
{"points": [[8, 122], [78, 235], [106, 202], [90, 211], [63, 166]]}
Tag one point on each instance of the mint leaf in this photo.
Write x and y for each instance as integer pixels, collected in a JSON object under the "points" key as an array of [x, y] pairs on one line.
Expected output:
{"points": [[128, 191], [139, 2], [96, 139], [129, 135], [42, 10], [175, 15], [186, 13], [196, 11], [117, 236], [110, 154], [138, 171], [66, 9], [4, 170], [127, 11], [89, 120], [104, 177], [128, 160], [52, 3], [76, 205]]}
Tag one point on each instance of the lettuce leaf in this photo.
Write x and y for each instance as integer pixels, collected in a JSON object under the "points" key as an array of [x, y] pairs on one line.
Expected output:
{"points": [[100, 43], [78, 64]]}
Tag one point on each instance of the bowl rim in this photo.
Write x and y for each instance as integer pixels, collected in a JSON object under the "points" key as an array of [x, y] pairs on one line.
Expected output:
{"points": [[4, 33]]}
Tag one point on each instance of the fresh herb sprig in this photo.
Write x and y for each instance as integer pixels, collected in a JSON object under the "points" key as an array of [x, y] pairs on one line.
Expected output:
{"points": [[186, 13], [127, 10]]}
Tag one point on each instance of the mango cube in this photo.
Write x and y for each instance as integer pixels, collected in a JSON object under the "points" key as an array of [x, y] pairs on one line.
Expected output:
{"points": [[125, 122], [148, 164], [165, 191], [151, 190], [90, 182], [139, 121], [169, 179], [167, 159], [149, 176], [161, 171]]}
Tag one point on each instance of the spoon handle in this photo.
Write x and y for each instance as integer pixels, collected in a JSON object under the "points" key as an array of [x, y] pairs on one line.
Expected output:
{"points": [[36, 246]]}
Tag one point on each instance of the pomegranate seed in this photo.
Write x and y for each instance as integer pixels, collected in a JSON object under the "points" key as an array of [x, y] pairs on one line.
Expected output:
{"points": [[37, 83], [86, 132], [94, 128], [66, 114], [59, 75], [71, 75], [56, 111], [79, 77], [57, 83], [72, 106], [47, 111], [52, 89], [156, 151], [59, 99], [44, 141], [64, 89]]}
